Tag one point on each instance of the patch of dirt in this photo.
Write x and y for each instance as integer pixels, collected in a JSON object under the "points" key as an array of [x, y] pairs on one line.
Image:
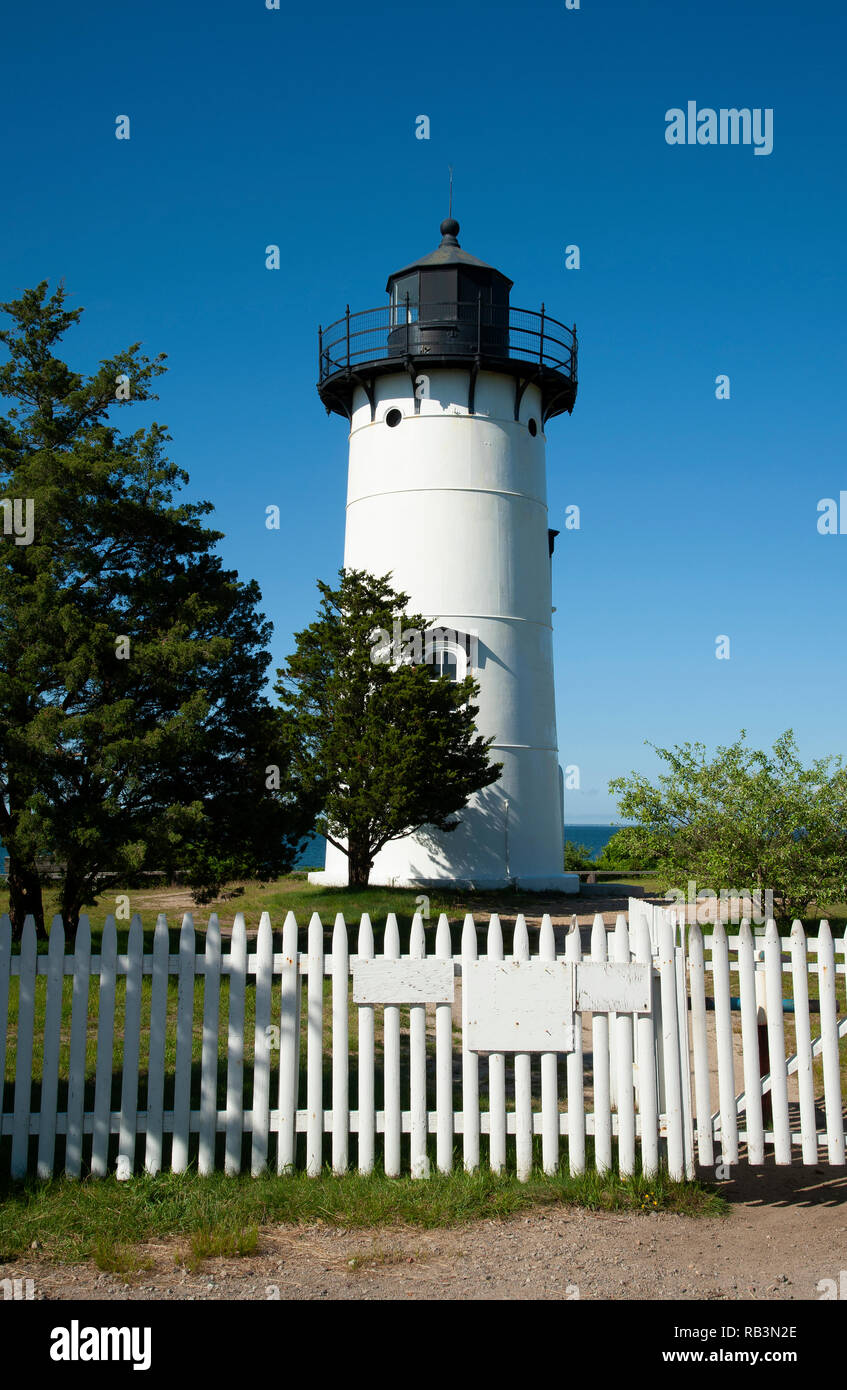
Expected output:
{"points": [[787, 1231]]}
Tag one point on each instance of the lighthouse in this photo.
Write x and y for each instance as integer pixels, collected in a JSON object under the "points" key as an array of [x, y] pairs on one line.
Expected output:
{"points": [[448, 390]]}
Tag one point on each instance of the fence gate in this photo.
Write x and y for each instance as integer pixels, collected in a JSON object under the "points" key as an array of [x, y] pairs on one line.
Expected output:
{"points": [[767, 1018]]}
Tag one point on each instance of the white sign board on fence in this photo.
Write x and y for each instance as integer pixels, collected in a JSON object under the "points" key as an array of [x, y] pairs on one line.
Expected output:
{"points": [[381, 981], [519, 1006], [613, 987]]}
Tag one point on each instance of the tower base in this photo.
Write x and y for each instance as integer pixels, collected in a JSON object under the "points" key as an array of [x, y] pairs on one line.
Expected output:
{"points": [[549, 883]]}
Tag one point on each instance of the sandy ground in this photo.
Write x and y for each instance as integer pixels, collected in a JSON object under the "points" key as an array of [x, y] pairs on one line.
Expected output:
{"points": [[787, 1231]]}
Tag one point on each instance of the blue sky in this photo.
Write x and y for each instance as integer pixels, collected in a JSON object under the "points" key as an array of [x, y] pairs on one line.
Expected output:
{"points": [[297, 127]]}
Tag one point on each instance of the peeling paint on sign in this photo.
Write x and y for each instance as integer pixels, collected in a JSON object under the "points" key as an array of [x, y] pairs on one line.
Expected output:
{"points": [[403, 981], [519, 1006]]}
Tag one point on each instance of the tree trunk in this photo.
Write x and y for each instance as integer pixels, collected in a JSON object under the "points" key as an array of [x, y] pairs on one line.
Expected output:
{"points": [[24, 897], [359, 864], [70, 915], [74, 897]]}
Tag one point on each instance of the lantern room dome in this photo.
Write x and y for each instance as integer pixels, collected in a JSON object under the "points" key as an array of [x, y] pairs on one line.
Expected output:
{"points": [[449, 253]]}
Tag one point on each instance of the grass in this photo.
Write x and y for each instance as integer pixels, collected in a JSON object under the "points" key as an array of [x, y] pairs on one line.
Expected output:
{"points": [[294, 893], [116, 1258], [214, 1242], [106, 1221]]}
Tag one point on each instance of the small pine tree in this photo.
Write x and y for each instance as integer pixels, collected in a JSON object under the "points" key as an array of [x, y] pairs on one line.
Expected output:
{"points": [[382, 748]]}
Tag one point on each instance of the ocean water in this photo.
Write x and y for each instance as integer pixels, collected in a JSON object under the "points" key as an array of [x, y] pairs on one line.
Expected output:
{"points": [[594, 837]]}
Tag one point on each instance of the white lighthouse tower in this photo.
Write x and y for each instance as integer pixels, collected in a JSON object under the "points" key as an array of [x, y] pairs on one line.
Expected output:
{"points": [[448, 390]]}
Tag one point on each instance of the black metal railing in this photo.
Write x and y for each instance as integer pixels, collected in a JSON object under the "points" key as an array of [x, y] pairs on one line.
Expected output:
{"points": [[450, 329]]}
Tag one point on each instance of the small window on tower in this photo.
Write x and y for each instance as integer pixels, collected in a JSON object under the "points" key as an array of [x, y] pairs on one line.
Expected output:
{"points": [[443, 663], [533, 428], [393, 418]]}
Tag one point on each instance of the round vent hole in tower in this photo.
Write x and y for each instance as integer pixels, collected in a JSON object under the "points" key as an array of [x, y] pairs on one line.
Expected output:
{"points": [[393, 418], [533, 428]]}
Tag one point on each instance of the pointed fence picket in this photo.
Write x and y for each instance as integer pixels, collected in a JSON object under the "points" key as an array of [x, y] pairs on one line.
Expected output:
{"points": [[209, 1052], [105, 1047], [367, 1060], [601, 1063], [829, 1046], [723, 1030], [776, 1045], [289, 1047], [314, 1048], [76, 1064], [340, 1047], [236, 966], [805, 1063], [23, 1059], [131, 1045], [50, 1062], [261, 1110], [646, 1069], [576, 1119], [684, 1053], [443, 1060], [184, 1032], [5, 974], [470, 1061], [750, 1046], [392, 1122], [549, 1068], [768, 1103], [418, 1132], [702, 1090], [156, 1064], [623, 1026], [496, 1071], [523, 1075], [670, 1052]]}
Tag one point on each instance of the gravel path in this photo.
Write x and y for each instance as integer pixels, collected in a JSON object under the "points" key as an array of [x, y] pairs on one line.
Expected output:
{"points": [[786, 1232]]}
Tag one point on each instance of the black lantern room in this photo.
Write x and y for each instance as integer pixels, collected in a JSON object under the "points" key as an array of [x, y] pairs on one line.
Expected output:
{"points": [[444, 298], [448, 309]]}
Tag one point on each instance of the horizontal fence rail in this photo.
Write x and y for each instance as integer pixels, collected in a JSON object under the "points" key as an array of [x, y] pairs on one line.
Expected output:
{"points": [[254, 1054]]}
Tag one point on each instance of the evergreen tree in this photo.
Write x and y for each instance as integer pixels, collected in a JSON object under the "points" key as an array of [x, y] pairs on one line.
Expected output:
{"points": [[382, 747], [133, 730]]}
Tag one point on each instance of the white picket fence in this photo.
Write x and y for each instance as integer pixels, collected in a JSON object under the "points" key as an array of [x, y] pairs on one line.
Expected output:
{"points": [[419, 1093], [777, 1083]]}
